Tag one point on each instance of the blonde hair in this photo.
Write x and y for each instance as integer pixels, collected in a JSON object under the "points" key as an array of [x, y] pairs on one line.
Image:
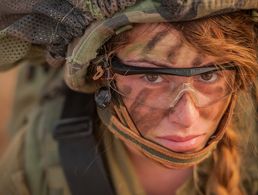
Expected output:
{"points": [[232, 37]]}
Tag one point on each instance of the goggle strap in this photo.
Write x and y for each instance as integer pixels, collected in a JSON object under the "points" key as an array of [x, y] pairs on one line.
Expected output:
{"points": [[123, 69]]}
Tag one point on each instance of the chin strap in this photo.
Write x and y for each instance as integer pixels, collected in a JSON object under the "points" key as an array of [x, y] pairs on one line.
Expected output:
{"points": [[118, 121]]}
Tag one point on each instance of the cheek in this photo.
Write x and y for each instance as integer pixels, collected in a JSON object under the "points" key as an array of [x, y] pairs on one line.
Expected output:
{"points": [[212, 115], [215, 111], [145, 117]]}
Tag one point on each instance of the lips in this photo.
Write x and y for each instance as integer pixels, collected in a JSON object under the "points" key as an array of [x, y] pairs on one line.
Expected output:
{"points": [[178, 138], [181, 144]]}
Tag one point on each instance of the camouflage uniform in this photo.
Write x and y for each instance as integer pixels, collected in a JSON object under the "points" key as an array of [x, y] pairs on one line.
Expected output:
{"points": [[31, 165]]}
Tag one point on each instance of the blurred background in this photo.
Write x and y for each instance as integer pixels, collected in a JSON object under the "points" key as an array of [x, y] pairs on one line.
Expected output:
{"points": [[7, 86]]}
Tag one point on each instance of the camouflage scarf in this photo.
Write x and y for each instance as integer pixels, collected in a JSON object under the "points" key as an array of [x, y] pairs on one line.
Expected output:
{"points": [[118, 121]]}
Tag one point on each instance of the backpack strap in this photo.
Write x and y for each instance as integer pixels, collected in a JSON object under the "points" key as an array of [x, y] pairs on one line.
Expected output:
{"points": [[78, 151]]}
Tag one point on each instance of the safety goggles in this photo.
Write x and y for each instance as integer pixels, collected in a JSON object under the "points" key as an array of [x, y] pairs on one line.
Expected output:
{"points": [[164, 87]]}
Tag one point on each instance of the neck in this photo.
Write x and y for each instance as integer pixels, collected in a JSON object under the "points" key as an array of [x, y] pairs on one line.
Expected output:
{"points": [[155, 178]]}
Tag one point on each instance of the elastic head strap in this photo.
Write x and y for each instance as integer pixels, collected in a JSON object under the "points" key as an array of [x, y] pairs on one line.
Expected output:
{"points": [[120, 68]]}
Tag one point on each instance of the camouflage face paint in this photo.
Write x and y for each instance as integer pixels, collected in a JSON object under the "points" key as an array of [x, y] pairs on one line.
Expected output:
{"points": [[145, 117], [155, 40], [185, 119], [173, 52]]}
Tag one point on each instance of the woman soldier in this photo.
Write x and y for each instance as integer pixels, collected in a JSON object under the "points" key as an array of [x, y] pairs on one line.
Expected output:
{"points": [[169, 96]]}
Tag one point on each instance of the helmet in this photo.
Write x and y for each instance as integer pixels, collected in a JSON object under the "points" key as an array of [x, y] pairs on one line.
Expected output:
{"points": [[84, 26]]}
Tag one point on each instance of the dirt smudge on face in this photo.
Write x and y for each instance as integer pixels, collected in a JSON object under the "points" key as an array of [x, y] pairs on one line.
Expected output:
{"points": [[155, 40], [145, 116]]}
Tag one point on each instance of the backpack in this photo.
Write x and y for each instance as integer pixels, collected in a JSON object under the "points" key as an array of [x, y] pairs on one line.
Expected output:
{"points": [[59, 123]]}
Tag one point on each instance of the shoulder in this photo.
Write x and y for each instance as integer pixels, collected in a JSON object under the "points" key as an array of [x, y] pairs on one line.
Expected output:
{"points": [[43, 170], [32, 158], [31, 164]]}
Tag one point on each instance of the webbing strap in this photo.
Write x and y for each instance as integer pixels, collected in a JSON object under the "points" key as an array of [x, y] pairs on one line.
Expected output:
{"points": [[80, 158]]}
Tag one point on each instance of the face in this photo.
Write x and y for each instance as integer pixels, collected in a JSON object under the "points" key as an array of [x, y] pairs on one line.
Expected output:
{"points": [[183, 127]]}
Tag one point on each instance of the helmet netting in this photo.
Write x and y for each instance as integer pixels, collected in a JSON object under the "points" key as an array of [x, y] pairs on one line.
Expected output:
{"points": [[49, 23]]}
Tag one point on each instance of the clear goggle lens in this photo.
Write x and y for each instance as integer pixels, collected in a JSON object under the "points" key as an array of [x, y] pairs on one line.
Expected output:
{"points": [[164, 90]]}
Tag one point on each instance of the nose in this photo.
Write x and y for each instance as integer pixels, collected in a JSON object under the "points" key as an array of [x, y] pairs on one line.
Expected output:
{"points": [[184, 113]]}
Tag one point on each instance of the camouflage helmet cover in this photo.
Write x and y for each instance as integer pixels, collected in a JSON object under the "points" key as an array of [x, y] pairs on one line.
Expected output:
{"points": [[145, 11], [55, 23]]}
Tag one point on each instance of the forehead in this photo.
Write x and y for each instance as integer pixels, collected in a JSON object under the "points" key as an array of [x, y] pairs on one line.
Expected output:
{"points": [[162, 43]]}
